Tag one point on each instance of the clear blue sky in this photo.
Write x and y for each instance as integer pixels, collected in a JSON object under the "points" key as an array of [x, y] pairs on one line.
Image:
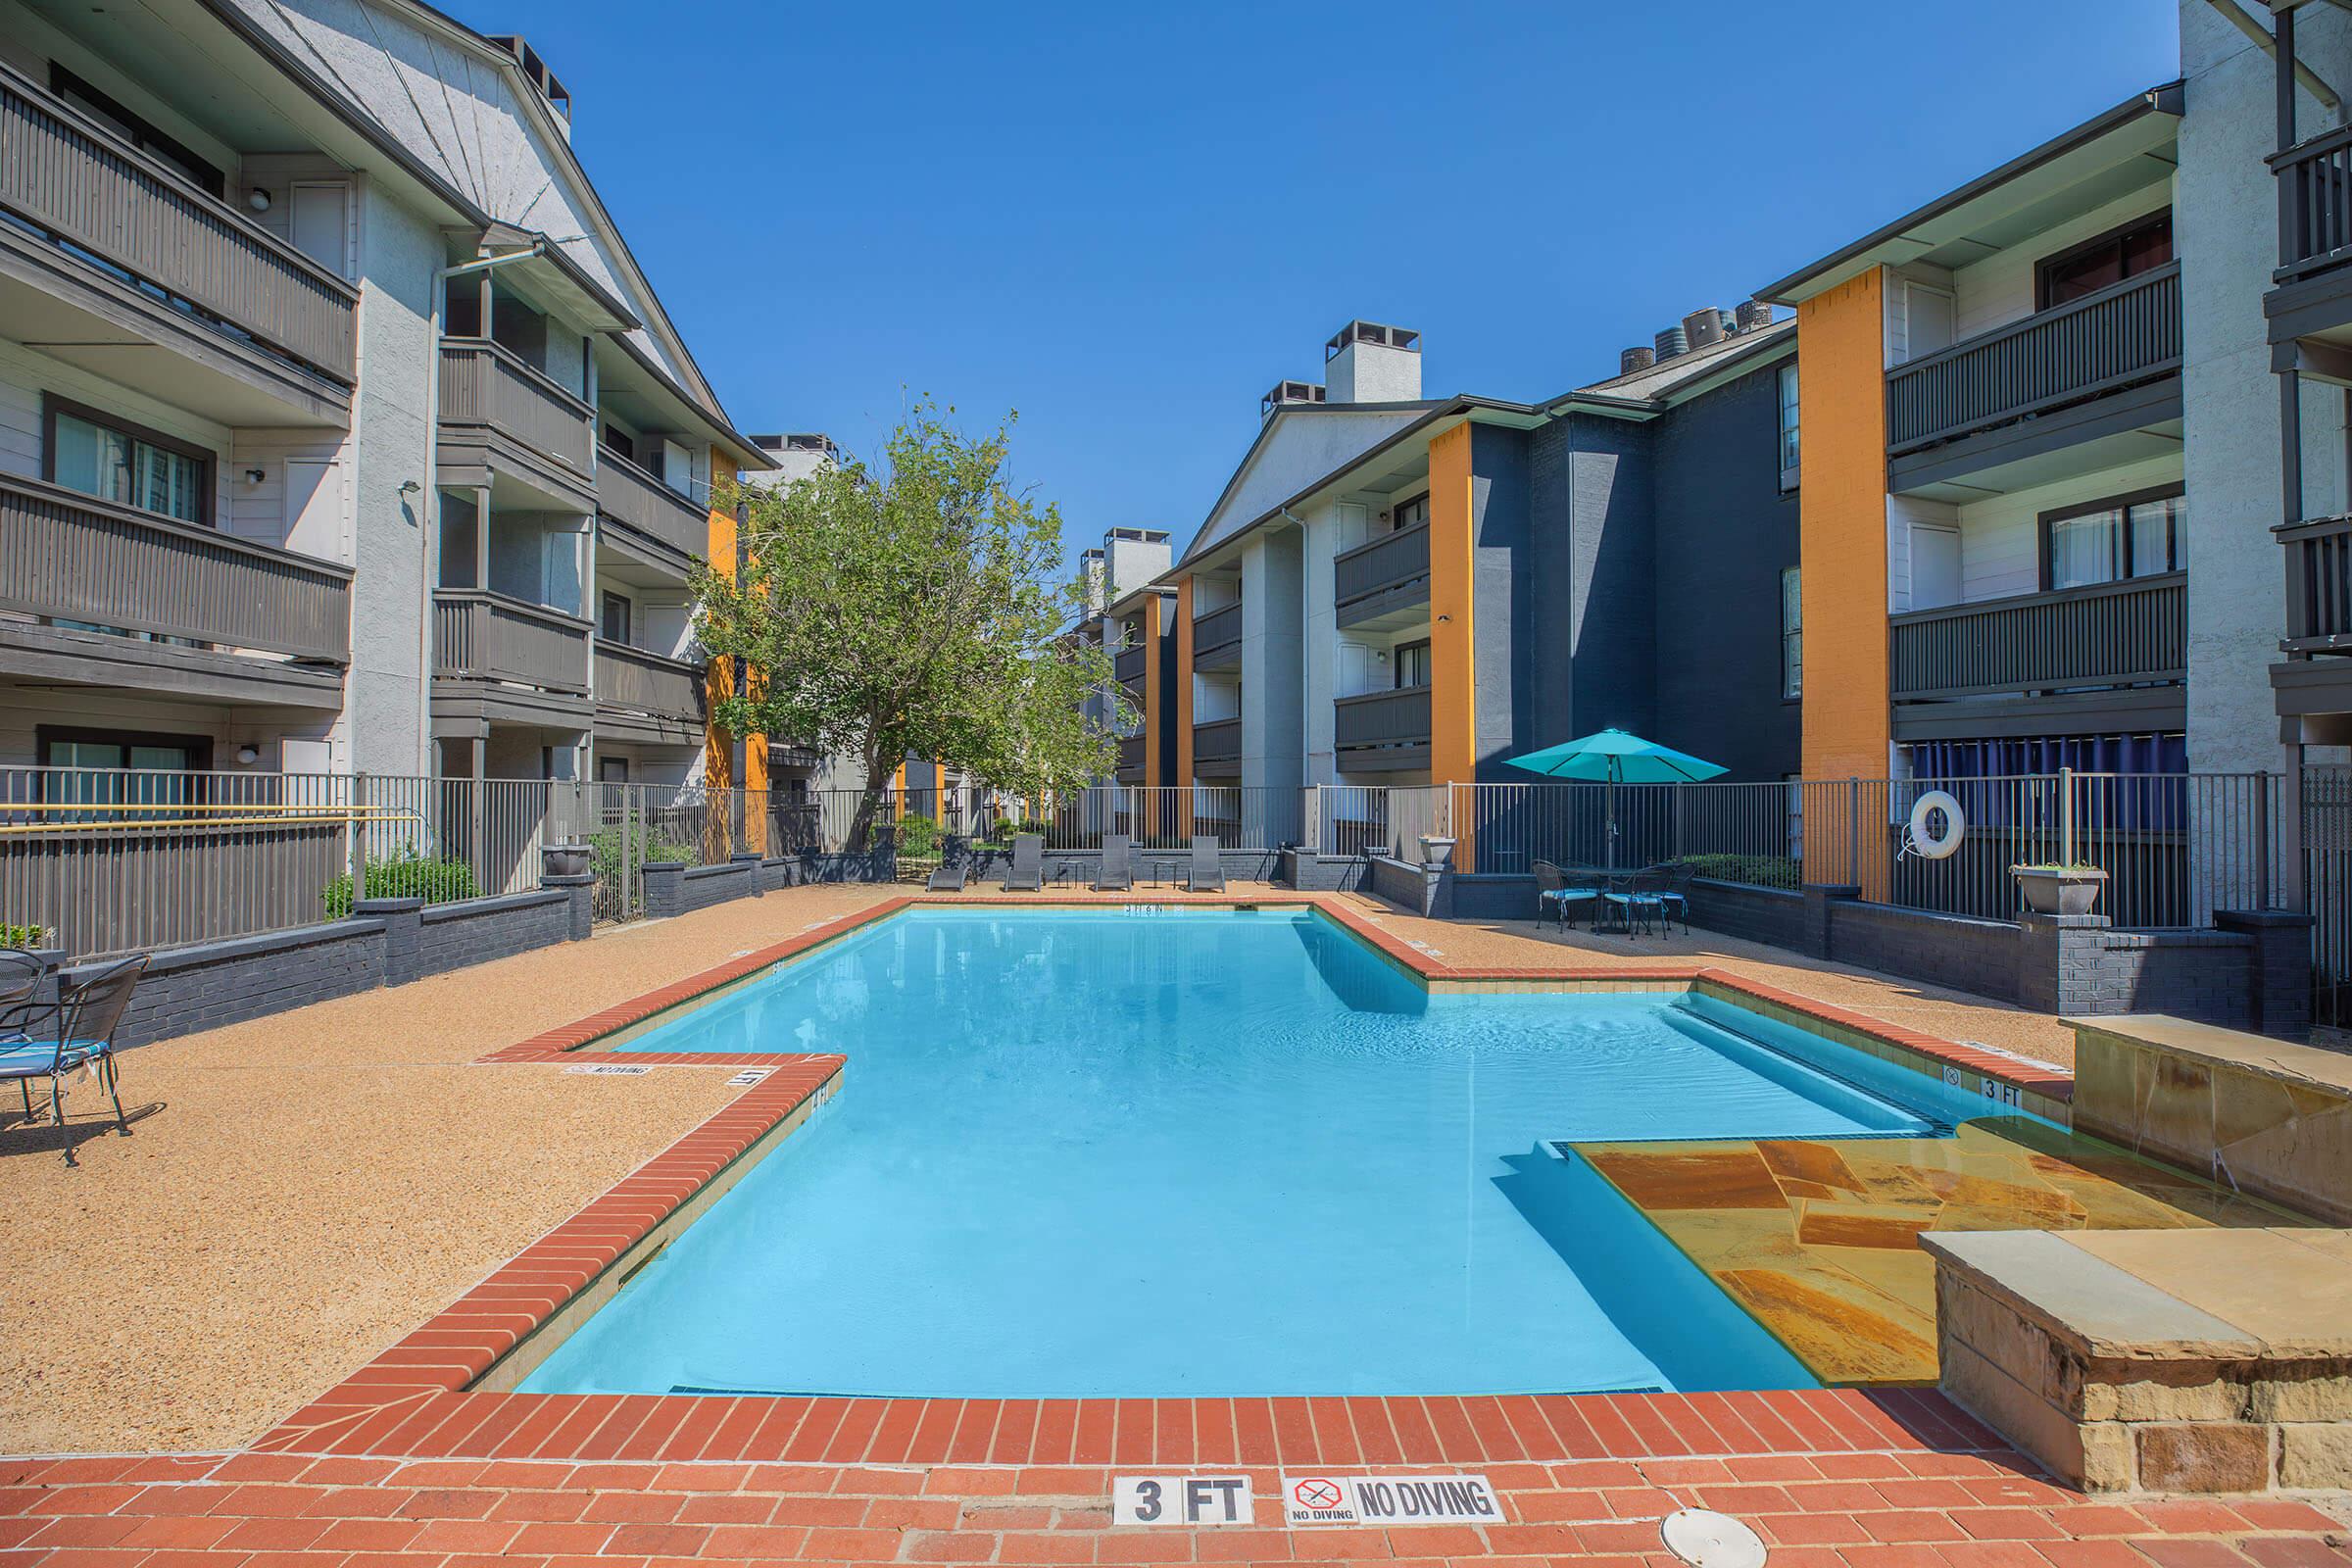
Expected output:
{"points": [[1127, 222]]}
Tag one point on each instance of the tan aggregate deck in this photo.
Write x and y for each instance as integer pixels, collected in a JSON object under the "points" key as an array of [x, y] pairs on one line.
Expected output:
{"points": [[311, 1187]]}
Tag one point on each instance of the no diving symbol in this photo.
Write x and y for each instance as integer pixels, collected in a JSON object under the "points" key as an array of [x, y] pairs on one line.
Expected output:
{"points": [[1317, 1493]]}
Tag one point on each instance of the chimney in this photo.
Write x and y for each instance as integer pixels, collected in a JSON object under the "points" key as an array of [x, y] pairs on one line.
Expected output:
{"points": [[1134, 557], [1636, 359], [1368, 363], [1288, 392], [791, 458], [1671, 344], [1754, 316], [1093, 578]]}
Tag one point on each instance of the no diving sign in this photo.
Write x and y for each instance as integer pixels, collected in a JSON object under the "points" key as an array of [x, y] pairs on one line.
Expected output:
{"points": [[1312, 1499]]}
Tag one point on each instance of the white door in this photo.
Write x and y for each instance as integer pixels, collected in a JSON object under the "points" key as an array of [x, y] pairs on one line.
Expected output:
{"points": [[321, 224], [1934, 567]]}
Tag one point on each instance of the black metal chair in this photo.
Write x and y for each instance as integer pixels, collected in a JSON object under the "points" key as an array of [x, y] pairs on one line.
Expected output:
{"points": [[1562, 886], [1640, 900], [1674, 897], [79, 1032]]}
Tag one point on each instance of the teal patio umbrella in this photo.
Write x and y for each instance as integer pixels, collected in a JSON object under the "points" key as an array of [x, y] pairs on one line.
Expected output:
{"points": [[1614, 756]]}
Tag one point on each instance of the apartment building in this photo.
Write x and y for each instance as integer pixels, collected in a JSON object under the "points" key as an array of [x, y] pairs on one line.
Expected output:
{"points": [[339, 428], [1130, 616], [1995, 515], [1401, 590]]}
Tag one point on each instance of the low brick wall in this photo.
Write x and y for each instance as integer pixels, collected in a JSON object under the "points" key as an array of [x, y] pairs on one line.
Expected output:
{"points": [[1947, 949], [1771, 916], [205, 985], [1411, 888], [1310, 872]]}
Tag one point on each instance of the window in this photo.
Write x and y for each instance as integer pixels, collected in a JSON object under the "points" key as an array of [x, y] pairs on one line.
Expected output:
{"points": [[117, 461], [2139, 245], [1789, 444], [1792, 634], [2128, 536], [617, 440], [615, 618], [91, 764], [1412, 664], [1410, 514], [139, 132]]}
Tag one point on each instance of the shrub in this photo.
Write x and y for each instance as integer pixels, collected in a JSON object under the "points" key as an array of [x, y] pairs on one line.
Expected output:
{"points": [[22, 936], [1002, 829], [918, 836], [406, 877], [1758, 870], [603, 852]]}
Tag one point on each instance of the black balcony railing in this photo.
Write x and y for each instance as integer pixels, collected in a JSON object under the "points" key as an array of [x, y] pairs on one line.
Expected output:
{"points": [[1381, 719], [2113, 634], [2319, 585], [1217, 746], [1392, 560], [2126, 333], [2315, 203], [1216, 632]]}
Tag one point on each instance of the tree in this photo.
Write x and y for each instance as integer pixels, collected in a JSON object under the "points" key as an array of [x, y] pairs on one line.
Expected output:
{"points": [[910, 608]]}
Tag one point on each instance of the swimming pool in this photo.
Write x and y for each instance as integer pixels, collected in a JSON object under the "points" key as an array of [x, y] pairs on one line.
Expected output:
{"points": [[1086, 1153]]}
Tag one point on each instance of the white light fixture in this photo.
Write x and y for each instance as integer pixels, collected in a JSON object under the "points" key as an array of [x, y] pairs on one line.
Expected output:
{"points": [[255, 475], [258, 199], [409, 487], [247, 756]]}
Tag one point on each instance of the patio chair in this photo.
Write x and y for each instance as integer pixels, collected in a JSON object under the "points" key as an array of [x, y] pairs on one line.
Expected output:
{"points": [[1640, 901], [1674, 897], [78, 1031], [1559, 888], [954, 865], [1119, 864], [1027, 872], [1206, 874]]}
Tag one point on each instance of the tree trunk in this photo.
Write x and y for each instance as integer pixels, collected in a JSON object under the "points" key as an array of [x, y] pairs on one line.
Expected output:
{"points": [[862, 821]]}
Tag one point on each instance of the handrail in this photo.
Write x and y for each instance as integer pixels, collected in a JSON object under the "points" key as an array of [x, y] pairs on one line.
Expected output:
{"points": [[646, 655], [547, 613], [507, 356], [192, 532]]}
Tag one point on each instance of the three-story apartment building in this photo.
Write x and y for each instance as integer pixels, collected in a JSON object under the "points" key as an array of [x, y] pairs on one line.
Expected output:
{"points": [[339, 428]]}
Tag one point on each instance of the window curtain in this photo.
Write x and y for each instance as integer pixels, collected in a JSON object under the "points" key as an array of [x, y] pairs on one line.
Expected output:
{"points": [[2150, 794]]}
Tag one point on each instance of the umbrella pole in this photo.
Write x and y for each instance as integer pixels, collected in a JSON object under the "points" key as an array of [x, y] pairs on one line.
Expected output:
{"points": [[1610, 851]]}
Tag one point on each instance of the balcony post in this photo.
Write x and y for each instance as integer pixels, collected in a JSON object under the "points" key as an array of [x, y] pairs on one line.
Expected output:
{"points": [[2291, 436], [2282, 72]]}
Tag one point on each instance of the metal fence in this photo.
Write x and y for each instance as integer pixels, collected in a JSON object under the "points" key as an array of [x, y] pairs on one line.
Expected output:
{"points": [[2327, 838], [1155, 817], [2175, 847]]}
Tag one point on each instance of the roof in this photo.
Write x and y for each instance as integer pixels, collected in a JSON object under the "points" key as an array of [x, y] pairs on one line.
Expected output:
{"points": [[2105, 153], [1677, 375]]}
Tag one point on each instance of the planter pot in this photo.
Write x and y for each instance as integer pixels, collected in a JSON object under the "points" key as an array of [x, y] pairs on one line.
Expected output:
{"points": [[1437, 854], [2048, 890], [564, 859]]}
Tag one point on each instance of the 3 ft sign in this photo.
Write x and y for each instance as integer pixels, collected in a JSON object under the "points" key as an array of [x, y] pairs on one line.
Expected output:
{"points": [[1180, 1500]]}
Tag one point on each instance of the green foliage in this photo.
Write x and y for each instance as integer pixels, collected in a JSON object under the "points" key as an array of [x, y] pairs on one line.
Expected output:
{"points": [[2070, 866], [910, 609], [918, 836], [603, 852], [406, 875], [22, 936], [1002, 830], [1758, 870]]}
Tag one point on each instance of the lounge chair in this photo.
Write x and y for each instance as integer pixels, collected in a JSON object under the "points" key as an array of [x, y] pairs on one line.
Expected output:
{"points": [[1119, 864], [1027, 872], [50, 1039], [1206, 874], [954, 866], [1559, 888]]}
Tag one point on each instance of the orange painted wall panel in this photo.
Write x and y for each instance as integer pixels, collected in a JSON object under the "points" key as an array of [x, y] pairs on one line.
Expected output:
{"points": [[1155, 623], [1842, 411], [1452, 657], [1184, 682]]}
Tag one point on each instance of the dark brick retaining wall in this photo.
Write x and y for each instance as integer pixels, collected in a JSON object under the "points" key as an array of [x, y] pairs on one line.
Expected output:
{"points": [[1979, 955], [455, 936], [1771, 916], [1310, 872]]}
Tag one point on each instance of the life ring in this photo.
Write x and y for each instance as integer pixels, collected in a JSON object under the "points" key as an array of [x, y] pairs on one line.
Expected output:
{"points": [[1930, 844]]}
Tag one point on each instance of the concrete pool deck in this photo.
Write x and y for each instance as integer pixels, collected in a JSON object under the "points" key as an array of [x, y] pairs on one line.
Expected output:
{"points": [[318, 1183]]}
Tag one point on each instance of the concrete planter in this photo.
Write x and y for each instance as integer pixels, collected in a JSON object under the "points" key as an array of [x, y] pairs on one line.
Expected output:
{"points": [[1436, 852], [2055, 889], [564, 859]]}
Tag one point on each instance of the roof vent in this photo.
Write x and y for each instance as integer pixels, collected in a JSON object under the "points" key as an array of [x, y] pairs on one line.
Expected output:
{"points": [[1704, 328], [541, 78], [1754, 316], [1671, 344], [1635, 360], [1287, 393], [1394, 337]]}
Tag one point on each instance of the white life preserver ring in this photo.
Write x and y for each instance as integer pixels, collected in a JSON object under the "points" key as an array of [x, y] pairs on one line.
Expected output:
{"points": [[1930, 844]]}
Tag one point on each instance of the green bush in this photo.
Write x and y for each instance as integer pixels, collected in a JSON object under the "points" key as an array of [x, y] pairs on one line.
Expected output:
{"points": [[1002, 829], [1758, 870], [603, 852], [918, 836], [22, 936], [406, 877]]}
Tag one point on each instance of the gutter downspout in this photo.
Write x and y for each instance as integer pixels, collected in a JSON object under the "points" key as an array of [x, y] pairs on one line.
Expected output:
{"points": [[428, 531]]}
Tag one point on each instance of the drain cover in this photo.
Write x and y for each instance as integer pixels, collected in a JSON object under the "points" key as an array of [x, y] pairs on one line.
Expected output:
{"points": [[1707, 1539]]}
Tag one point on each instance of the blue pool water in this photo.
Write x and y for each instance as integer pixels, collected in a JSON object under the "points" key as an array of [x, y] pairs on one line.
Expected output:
{"points": [[1198, 1152]]}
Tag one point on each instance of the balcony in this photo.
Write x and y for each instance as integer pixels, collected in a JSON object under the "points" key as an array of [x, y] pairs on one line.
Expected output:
{"points": [[1131, 760], [1128, 669], [501, 415], [108, 253], [643, 695], [1217, 638], [502, 659], [1376, 579], [2067, 651], [68, 557], [664, 528], [2093, 369], [1217, 748], [1382, 731]]}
